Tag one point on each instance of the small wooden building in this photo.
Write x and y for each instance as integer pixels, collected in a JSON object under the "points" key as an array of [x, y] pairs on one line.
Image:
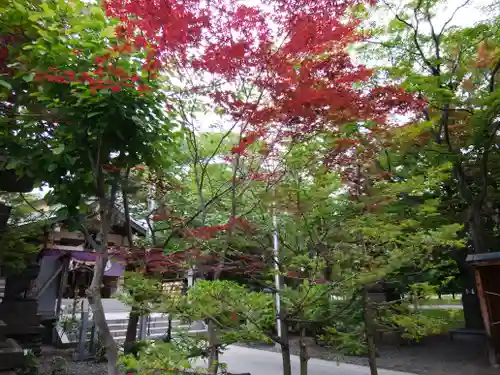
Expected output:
{"points": [[67, 260], [487, 274]]}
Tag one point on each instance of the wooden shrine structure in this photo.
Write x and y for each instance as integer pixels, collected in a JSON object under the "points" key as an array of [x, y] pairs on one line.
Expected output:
{"points": [[487, 275], [16, 334]]}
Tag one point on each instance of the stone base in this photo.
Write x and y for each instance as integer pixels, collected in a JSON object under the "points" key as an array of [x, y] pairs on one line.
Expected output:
{"points": [[20, 311], [49, 325], [22, 323], [31, 342], [11, 355]]}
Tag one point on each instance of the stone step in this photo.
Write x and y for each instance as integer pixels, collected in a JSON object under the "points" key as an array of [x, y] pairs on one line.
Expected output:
{"points": [[153, 333], [155, 328], [163, 329], [125, 322], [157, 335], [175, 323], [2, 287]]}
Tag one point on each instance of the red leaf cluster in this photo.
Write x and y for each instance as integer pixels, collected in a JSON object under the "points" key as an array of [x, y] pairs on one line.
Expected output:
{"points": [[110, 168], [208, 232], [8, 41], [156, 261], [105, 76], [247, 140], [294, 56], [259, 176]]}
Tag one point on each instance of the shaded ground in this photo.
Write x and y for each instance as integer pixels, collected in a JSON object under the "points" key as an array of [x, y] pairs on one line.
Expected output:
{"points": [[436, 355], [242, 360], [52, 358]]}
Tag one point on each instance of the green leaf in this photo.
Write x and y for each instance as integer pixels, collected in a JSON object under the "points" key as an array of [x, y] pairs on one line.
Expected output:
{"points": [[35, 17], [108, 32], [29, 77], [97, 12], [136, 119], [58, 150], [19, 7], [5, 84], [52, 167], [12, 163], [47, 11]]}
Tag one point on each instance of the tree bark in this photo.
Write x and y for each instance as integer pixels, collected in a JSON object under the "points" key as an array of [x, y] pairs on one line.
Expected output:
{"points": [[95, 301], [285, 357], [213, 359], [94, 291], [476, 230], [285, 349], [470, 301], [304, 356], [134, 316], [131, 335], [369, 323]]}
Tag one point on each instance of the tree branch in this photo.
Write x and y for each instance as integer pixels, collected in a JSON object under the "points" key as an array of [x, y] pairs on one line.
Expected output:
{"points": [[452, 16], [493, 76]]}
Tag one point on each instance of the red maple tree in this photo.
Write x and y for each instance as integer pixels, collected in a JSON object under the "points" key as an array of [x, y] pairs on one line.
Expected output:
{"points": [[292, 54], [285, 66]]}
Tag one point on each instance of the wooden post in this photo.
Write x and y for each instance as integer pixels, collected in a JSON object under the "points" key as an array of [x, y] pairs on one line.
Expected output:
{"points": [[169, 330], [94, 336], [482, 301], [80, 354]]}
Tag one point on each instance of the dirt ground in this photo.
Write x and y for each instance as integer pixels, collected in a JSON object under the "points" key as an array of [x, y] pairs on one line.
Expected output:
{"points": [[437, 355]]}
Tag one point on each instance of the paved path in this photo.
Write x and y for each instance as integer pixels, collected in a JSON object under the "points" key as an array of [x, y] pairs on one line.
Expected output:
{"points": [[442, 307], [259, 362]]}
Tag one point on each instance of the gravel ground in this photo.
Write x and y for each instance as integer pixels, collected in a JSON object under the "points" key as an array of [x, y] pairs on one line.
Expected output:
{"points": [[436, 355], [49, 355]]}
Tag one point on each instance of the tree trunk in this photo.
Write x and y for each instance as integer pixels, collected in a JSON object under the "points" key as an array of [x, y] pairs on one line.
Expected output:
{"points": [[131, 335], [286, 359], [470, 301], [369, 325], [285, 349], [94, 291], [476, 230], [95, 301], [213, 358], [133, 320], [304, 356]]}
